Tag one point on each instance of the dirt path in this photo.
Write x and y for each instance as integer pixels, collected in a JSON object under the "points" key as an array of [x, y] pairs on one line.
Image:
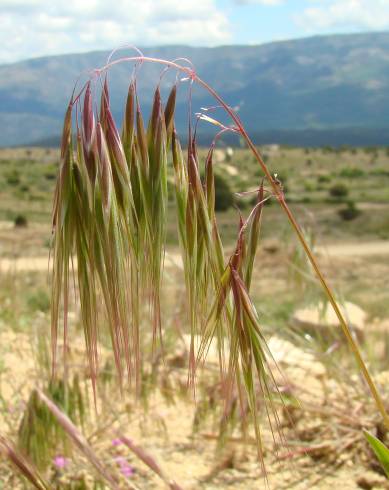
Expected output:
{"points": [[356, 249], [173, 258], [24, 264]]}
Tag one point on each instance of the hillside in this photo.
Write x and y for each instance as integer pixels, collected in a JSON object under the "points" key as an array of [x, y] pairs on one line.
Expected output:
{"points": [[332, 85]]}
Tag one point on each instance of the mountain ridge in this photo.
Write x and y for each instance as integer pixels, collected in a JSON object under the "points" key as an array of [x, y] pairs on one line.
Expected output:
{"points": [[319, 83]]}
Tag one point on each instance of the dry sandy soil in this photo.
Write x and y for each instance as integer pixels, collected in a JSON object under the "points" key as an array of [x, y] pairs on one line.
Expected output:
{"points": [[166, 430]]}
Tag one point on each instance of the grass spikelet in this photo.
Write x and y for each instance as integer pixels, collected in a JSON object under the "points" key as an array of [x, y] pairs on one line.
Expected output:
{"points": [[149, 461], [110, 212], [78, 439], [248, 369], [39, 435], [169, 114], [89, 134], [155, 203], [254, 224], [63, 234], [128, 130], [25, 467]]}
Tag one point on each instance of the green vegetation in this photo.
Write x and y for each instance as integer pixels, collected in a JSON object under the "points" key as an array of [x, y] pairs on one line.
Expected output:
{"points": [[339, 191], [40, 437], [350, 212], [33, 196], [223, 195], [20, 221]]}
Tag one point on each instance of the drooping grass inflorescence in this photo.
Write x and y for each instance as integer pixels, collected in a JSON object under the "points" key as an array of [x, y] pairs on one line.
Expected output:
{"points": [[109, 214]]}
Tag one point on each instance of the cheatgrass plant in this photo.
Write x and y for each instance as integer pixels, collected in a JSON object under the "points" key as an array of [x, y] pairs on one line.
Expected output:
{"points": [[109, 217]]}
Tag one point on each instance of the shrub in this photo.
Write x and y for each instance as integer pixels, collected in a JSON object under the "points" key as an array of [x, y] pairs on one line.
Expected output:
{"points": [[372, 150], [380, 171], [223, 196], [339, 191], [39, 301], [328, 149], [324, 178], [13, 178], [309, 186], [50, 175], [350, 212], [20, 221], [351, 172], [24, 188]]}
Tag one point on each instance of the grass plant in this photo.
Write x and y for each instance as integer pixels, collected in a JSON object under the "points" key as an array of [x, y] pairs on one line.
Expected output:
{"points": [[110, 209]]}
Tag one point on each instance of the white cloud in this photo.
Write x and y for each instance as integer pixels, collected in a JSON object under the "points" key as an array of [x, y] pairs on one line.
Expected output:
{"points": [[345, 14], [260, 2], [31, 28]]}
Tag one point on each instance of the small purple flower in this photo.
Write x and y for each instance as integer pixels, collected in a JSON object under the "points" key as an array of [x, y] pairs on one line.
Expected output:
{"points": [[116, 442], [126, 469], [60, 462]]}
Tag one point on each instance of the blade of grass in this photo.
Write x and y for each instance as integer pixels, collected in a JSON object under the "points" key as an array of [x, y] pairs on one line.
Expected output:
{"points": [[380, 450]]}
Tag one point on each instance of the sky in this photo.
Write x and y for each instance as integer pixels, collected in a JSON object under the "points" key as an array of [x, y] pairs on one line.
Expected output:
{"points": [[32, 28]]}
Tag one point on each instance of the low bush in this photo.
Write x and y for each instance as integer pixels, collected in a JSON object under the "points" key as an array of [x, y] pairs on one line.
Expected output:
{"points": [[24, 188], [13, 178], [339, 191], [224, 198], [350, 212], [20, 221], [39, 301], [324, 178], [351, 173]]}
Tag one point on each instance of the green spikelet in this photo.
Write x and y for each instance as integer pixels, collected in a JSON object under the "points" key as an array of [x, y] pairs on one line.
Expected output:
{"points": [[40, 437]]}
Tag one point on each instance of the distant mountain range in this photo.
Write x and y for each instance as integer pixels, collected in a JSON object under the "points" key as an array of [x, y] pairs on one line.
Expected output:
{"points": [[326, 90]]}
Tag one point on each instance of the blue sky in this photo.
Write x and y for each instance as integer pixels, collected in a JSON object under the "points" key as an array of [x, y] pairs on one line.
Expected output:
{"points": [[30, 28], [258, 21], [253, 22]]}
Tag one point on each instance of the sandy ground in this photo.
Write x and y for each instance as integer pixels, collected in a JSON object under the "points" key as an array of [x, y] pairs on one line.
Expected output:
{"points": [[173, 258], [188, 458], [361, 249]]}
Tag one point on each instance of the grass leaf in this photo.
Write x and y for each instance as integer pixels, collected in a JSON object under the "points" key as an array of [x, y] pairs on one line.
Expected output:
{"points": [[380, 450]]}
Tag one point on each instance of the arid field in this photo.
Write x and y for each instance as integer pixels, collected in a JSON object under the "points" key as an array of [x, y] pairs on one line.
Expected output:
{"points": [[341, 199]]}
